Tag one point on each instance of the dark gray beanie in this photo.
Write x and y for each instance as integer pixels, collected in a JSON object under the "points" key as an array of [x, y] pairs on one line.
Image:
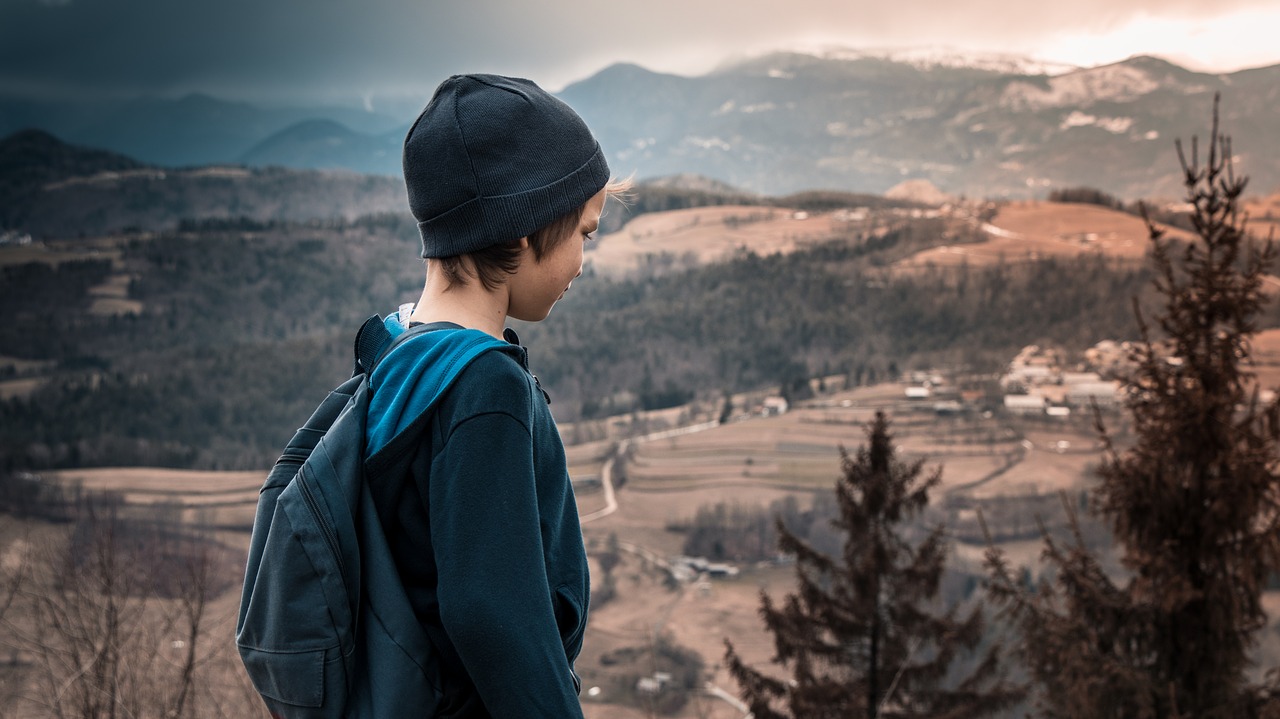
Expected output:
{"points": [[491, 159]]}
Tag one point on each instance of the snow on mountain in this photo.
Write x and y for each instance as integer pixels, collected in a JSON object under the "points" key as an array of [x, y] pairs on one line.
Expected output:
{"points": [[926, 58], [1114, 125]]}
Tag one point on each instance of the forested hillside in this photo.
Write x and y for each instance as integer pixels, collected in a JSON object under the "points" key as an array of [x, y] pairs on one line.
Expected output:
{"points": [[243, 328]]}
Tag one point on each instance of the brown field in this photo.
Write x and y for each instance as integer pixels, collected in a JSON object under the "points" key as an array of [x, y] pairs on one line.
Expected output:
{"points": [[221, 499], [1031, 230], [112, 297], [179, 482], [1266, 359], [25, 366], [26, 376], [1264, 214], [14, 388], [54, 253], [1047, 466], [707, 234]]}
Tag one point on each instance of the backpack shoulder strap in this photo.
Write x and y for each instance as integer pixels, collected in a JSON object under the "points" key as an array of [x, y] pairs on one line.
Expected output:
{"points": [[372, 336], [374, 341]]}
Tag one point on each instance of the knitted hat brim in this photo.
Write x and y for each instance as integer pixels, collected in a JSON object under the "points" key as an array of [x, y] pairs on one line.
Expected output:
{"points": [[485, 221]]}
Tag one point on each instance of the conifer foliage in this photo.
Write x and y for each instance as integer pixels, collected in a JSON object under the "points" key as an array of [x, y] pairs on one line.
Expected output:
{"points": [[858, 636], [1193, 502]]}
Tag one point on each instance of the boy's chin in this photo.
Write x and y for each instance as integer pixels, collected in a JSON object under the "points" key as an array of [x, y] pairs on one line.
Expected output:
{"points": [[531, 316]]}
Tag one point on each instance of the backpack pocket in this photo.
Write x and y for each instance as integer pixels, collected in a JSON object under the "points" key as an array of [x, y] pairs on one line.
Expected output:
{"points": [[297, 612], [293, 682]]}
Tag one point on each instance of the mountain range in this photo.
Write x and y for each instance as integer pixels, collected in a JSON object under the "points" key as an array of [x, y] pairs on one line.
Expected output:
{"points": [[787, 121], [780, 123]]}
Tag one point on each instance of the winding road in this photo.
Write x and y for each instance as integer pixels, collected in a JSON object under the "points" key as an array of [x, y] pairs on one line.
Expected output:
{"points": [[606, 472], [611, 506]]}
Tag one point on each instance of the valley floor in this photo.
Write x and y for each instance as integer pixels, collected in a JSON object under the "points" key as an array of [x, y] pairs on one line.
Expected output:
{"points": [[1010, 467]]}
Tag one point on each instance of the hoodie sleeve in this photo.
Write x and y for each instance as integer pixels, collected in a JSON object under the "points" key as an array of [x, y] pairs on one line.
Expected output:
{"points": [[494, 594]]}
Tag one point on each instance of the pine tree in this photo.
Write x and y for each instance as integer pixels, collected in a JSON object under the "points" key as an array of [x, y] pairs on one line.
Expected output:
{"points": [[858, 636], [1193, 503]]}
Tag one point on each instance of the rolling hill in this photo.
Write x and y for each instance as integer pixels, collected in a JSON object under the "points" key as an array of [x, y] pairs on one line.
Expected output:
{"points": [[51, 189]]}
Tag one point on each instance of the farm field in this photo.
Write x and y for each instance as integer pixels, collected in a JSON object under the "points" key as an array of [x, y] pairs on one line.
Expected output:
{"points": [[1264, 214], [219, 499], [1033, 229], [707, 234], [53, 253], [1266, 359]]}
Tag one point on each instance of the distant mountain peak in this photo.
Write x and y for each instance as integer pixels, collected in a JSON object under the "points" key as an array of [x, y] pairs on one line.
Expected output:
{"points": [[625, 68], [619, 75], [1150, 62], [326, 144]]}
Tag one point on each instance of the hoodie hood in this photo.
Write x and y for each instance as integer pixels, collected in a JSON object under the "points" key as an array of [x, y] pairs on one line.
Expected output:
{"points": [[409, 381]]}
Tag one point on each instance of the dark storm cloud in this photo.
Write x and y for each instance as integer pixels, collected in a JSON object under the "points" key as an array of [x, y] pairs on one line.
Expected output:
{"points": [[346, 48], [285, 45]]}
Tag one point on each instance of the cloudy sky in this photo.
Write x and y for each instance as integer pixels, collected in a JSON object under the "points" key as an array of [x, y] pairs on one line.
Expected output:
{"points": [[353, 51]]}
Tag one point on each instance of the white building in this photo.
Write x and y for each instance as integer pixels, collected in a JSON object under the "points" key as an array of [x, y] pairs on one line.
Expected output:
{"points": [[1024, 403], [1104, 394], [1027, 375], [774, 406], [1078, 378]]}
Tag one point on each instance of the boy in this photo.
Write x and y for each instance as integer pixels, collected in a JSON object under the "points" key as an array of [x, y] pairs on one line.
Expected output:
{"points": [[508, 184]]}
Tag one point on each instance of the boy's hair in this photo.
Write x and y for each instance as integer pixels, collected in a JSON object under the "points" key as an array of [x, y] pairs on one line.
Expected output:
{"points": [[495, 263]]}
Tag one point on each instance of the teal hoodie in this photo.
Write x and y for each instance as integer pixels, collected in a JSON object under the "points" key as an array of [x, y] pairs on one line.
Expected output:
{"points": [[482, 522]]}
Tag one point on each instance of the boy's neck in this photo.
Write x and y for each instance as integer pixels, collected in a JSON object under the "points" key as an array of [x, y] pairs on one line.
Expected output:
{"points": [[471, 305]]}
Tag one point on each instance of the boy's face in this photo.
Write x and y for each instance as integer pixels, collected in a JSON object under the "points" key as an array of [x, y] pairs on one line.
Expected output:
{"points": [[537, 285]]}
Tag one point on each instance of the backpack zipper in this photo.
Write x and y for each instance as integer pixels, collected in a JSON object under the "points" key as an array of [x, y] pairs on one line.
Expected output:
{"points": [[325, 529]]}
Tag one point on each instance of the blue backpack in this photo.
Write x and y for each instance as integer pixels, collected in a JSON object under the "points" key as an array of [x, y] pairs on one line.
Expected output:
{"points": [[325, 628]]}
